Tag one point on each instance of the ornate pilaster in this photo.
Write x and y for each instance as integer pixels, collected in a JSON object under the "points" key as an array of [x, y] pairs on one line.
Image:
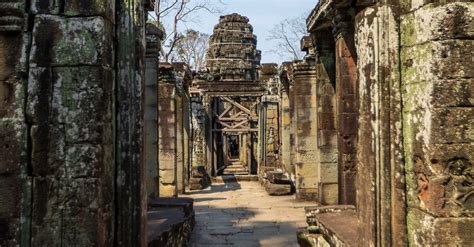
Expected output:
{"points": [[346, 97]]}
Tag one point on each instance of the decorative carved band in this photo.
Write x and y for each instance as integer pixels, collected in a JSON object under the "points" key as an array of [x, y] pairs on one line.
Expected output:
{"points": [[12, 15]]}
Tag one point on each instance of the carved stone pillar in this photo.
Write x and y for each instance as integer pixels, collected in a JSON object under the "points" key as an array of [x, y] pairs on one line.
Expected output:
{"points": [[15, 180], [167, 124], [270, 149], [346, 103]]}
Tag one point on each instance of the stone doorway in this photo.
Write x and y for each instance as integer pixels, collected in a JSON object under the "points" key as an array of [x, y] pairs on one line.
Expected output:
{"points": [[234, 133]]}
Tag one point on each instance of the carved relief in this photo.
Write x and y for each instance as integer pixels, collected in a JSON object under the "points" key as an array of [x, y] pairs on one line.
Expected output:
{"points": [[450, 193]]}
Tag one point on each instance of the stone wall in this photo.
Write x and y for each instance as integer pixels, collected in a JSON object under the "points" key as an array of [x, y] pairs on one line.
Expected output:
{"points": [[73, 170], [438, 122], [412, 108]]}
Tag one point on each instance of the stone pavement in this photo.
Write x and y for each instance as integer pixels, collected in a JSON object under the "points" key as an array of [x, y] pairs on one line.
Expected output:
{"points": [[243, 214]]}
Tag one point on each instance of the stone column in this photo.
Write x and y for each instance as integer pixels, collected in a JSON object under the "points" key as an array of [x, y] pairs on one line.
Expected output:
{"points": [[437, 48], [151, 111], [131, 199], [307, 155], [199, 177], [15, 176], [346, 98], [187, 145], [380, 173], [285, 122], [167, 129], [180, 141], [270, 131], [326, 107]]}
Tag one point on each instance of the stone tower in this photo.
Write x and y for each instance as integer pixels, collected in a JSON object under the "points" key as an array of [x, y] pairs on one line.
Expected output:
{"points": [[233, 53]]}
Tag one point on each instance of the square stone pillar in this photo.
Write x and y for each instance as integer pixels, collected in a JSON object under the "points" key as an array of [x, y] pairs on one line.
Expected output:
{"points": [[346, 98], [167, 125], [199, 176], [153, 36], [307, 154], [180, 141], [285, 123], [270, 134]]}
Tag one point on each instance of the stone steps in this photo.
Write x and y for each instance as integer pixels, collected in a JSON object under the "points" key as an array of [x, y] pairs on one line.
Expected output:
{"points": [[234, 178]]}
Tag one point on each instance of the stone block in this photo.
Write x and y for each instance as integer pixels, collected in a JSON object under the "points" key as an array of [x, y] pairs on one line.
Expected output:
{"points": [[426, 230], [82, 101], [104, 8], [328, 172], [452, 125], [11, 98], [71, 41], [12, 147], [329, 193], [10, 197], [437, 60], [167, 176], [51, 7], [348, 123], [277, 189], [432, 22], [168, 190]]}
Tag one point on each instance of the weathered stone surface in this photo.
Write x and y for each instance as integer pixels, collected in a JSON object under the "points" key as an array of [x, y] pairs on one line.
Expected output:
{"points": [[274, 189], [232, 53], [71, 41]]}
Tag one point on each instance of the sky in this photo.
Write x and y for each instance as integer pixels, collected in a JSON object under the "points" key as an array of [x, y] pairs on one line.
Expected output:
{"points": [[263, 15]]}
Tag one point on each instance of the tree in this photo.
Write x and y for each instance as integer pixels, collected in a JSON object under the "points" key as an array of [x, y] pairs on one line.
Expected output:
{"points": [[173, 13], [191, 48], [287, 36]]}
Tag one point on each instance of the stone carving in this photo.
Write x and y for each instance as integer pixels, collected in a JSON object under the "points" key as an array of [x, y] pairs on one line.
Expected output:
{"points": [[12, 15], [460, 185], [450, 193]]}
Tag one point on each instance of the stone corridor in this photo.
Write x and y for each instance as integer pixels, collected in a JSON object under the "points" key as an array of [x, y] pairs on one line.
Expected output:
{"points": [[243, 214]]}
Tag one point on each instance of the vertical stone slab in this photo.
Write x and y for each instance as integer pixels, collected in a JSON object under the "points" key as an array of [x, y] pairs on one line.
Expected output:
{"points": [[346, 98], [270, 133], [438, 113], [153, 35], [380, 170], [167, 125], [307, 155], [285, 122], [130, 53], [199, 177], [179, 142], [15, 184], [186, 137]]}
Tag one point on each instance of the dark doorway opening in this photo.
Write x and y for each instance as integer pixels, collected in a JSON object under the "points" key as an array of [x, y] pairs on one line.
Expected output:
{"points": [[233, 146]]}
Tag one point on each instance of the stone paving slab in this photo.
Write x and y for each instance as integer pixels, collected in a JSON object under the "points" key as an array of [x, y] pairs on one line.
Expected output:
{"points": [[243, 214]]}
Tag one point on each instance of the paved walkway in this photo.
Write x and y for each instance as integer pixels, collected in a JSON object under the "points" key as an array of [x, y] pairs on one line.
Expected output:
{"points": [[242, 214]]}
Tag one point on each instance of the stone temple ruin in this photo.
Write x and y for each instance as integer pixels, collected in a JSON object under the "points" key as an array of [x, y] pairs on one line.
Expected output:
{"points": [[100, 141]]}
